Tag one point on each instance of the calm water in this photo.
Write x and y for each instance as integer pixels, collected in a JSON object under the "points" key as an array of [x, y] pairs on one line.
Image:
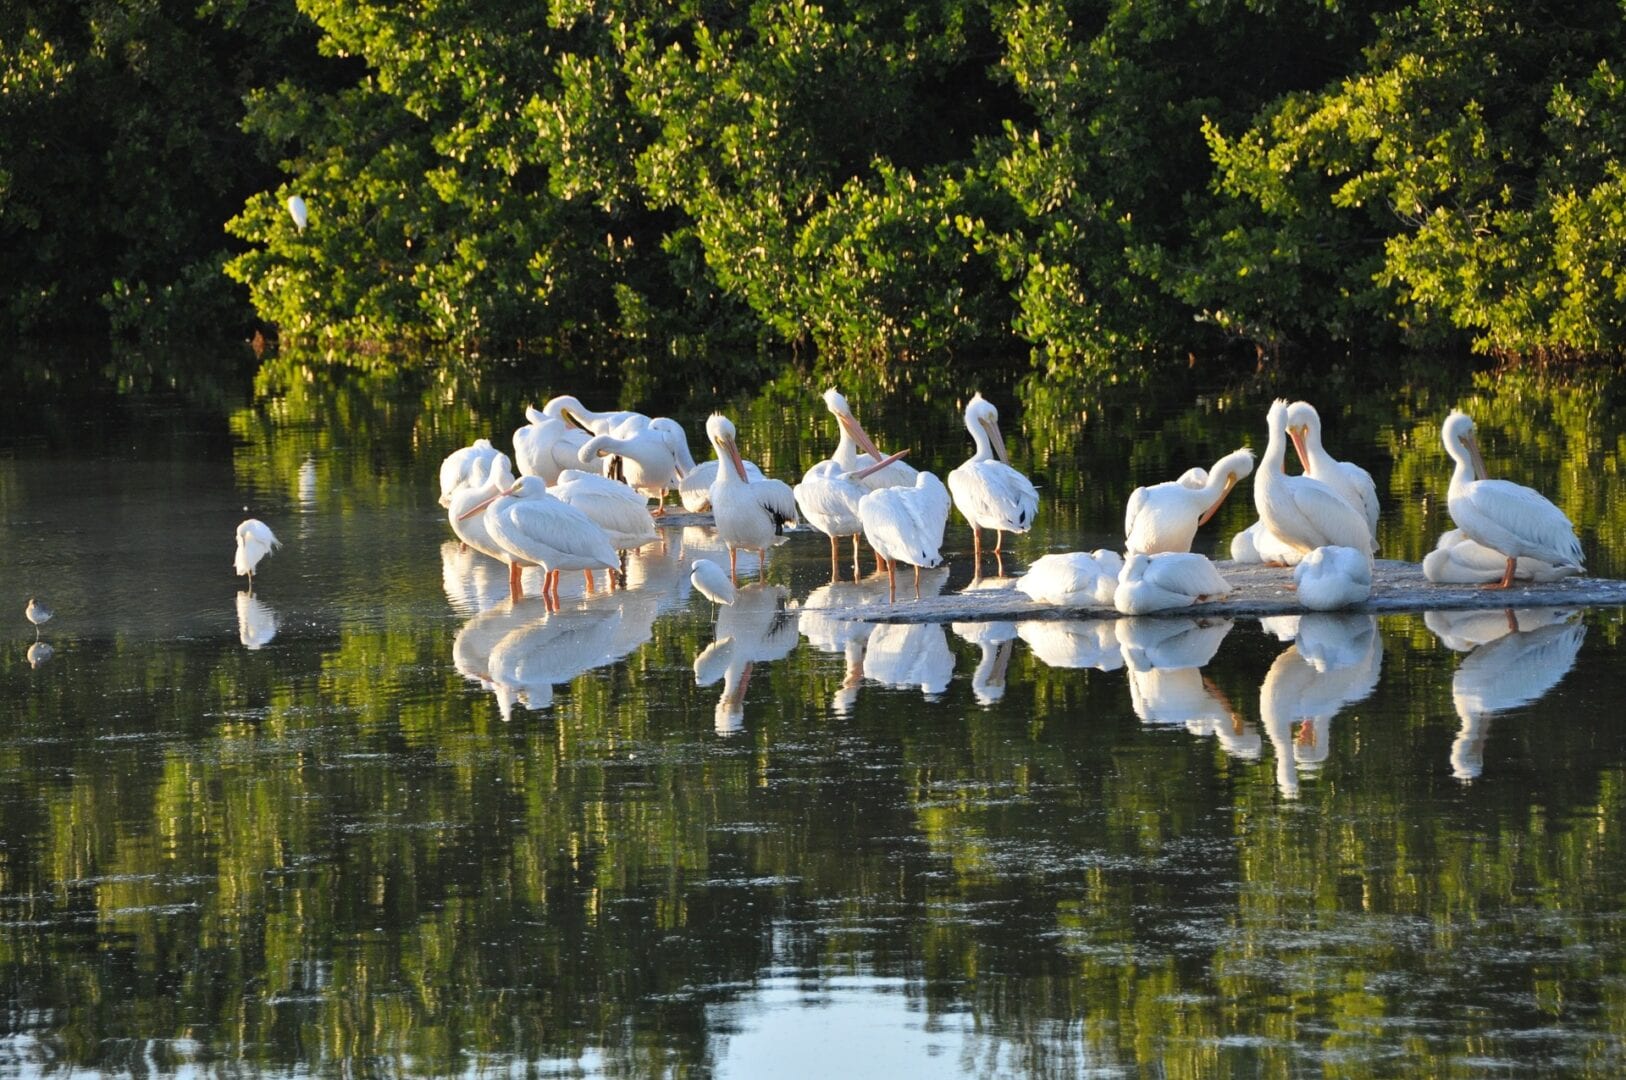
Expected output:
{"points": [[303, 832]]}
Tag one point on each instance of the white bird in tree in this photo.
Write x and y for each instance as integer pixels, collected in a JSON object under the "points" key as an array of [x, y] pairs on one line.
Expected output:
{"points": [[1345, 477], [1166, 516], [748, 513], [1510, 519], [1172, 579], [255, 541], [297, 211], [547, 446], [1301, 511], [905, 524], [534, 528], [987, 491]]}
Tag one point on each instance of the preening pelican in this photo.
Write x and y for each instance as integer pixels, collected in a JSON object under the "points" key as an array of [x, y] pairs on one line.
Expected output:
{"points": [[547, 446], [1172, 579], [619, 422], [828, 494], [458, 467], [1300, 510], [533, 527], [1333, 577], [650, 460], [621, 512], [1457, 560], [38, 614], [1073, 578], [489, 479], [748, 513], [1345, 477], [707, 577], [987, 491], [905, 524], [1165, 517], [1510, 519], [254, 542]]}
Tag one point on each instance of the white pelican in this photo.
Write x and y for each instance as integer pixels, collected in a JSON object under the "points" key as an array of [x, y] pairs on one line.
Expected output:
{"points": [[1257, 544], [748, 513], [547, 446], [756, 628], [38, 614], [1457, 560], [254, 542], [997, 640], [256, 623], [1333, 577], [708, 578], [1516, 668], [828, 494], [535, 528], [488, 478], [1345, 477], [621, 512], [1165, 517], [298, 211], [694, 490], [1510, 519], [458, 467], [987, 491], [1073, 578], [650, 460], [618, 422], [1172, 579], [1073, 643], [905, 524], [1300, 510]]}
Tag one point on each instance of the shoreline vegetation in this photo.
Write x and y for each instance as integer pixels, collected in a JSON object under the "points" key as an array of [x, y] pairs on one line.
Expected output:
{"points": [[1081, 190]]}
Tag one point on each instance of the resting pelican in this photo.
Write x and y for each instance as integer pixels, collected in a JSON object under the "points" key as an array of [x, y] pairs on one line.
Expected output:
{"points": [[1257, 544], [1510, 519], [547, 446], [458, 466], [1333, 577], [1300, 510], [1172, 579], [254, 542], [38, 614], [622, 513], [651, 460], [749, 513], [489, 479], [905, 524], [1457, 560], [532, 527], [620, 422], [828, 494], [1165, 517], [987, 491], [1345, 477], [1073, 578]]}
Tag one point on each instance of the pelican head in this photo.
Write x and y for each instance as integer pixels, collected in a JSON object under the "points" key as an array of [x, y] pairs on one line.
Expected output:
{"points": [[1232, 468], [1462, 443], [981, 416], [720, 432], [1304, 428], [836, 402]]}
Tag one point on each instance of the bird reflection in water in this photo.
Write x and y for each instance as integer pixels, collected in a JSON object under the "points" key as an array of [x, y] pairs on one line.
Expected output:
{"points": [[754, 629], [826, 631], [1514, 657], [997, 640], [912, 655], [39, 653], [256, 622], [1165, 658], [548, 651], [1073, 643], [1334, 661]]}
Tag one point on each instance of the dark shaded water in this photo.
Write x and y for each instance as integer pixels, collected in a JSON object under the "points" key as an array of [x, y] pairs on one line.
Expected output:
{"points": [[304, 832]]}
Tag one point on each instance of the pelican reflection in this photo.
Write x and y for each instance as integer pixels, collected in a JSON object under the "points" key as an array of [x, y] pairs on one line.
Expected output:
{"points": [[997, 640], [1165, 658], [756, 628], [820, 621], [552, 649], [912, 654], [1073, 643], [1516, 659], [1334, 662]]}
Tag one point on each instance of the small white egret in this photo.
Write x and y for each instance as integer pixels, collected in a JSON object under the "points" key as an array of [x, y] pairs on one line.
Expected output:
{"points": [[297, 211], [255, 541], [712, 582], [38, 614]]}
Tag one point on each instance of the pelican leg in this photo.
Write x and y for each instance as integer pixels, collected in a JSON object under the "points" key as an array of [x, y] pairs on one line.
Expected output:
{"points": [[976, 553], [587, 579], [1507, 576], [762, 563], [515, 589], [891, 580], [835, 558], [917, 582], [856, 571], [733, 570]]}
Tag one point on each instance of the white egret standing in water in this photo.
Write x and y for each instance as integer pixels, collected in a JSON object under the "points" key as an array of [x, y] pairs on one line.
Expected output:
{"points": [[255, 541]]}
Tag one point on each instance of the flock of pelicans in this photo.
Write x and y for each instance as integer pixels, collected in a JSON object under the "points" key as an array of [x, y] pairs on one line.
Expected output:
{"points": [[586, 478]]}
